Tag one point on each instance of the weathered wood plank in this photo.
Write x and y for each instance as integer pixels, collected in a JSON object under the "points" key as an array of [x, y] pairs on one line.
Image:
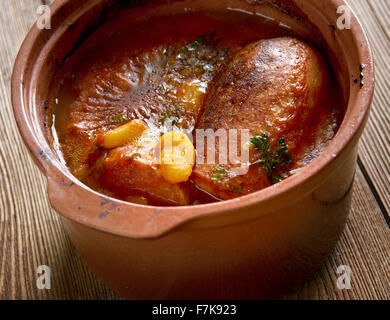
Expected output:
{"points": [[31, 233], [375, 145], [364, 247]]}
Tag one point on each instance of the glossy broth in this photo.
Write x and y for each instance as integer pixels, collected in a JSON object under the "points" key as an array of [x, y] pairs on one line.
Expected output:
{"points": [[159, 71]]}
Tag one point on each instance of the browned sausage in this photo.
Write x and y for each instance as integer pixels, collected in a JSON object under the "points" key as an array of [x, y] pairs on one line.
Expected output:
{"points": [[272, 86]]}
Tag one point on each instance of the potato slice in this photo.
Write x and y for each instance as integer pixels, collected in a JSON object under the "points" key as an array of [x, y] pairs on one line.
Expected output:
{"points": [[176, 156], [127, 133]]}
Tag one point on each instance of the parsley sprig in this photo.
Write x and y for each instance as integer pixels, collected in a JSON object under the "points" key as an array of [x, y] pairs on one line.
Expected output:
{"points": [[119, 119], [218, 173], [172, 114], [271, 159]]}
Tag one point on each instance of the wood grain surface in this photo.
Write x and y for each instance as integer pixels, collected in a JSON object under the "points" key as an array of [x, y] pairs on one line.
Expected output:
{"points": [[31, 234]]}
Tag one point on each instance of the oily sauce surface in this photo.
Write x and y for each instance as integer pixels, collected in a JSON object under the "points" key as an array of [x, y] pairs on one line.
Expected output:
{"points": [[159, 71]]}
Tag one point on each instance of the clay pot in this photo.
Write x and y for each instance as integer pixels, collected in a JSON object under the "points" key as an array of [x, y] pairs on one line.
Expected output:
{"points": [[257, 246]]}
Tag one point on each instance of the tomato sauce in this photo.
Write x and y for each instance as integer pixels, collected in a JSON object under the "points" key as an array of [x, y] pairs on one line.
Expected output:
{"points": [[159, 70]]}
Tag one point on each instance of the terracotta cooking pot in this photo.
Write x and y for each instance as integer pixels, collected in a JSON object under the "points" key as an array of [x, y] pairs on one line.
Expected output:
{"points": [[257, 246]]}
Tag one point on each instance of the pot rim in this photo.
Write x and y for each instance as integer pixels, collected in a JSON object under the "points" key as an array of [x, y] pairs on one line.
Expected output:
{"points": [[180, 215]]}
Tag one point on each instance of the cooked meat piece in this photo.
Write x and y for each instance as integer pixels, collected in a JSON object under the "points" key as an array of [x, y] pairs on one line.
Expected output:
{"points": [[273, 87], [156, 86], [125, 172]]}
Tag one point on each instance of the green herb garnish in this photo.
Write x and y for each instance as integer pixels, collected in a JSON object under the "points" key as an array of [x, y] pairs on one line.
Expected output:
{"points": [[218, 173], [119, 119], [199, 70], [203, 40], [272, 160], [172, 114], [237, 189], [94, 148]]}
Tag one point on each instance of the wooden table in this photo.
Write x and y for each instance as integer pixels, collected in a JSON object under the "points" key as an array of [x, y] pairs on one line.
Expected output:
{"points": [[31, 234]]}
